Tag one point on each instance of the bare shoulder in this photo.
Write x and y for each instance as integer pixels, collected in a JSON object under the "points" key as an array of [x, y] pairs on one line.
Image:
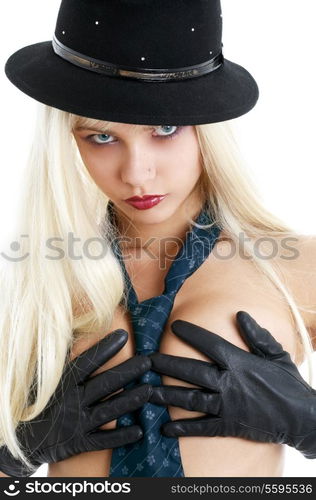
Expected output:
{"points": [[298, 264]]}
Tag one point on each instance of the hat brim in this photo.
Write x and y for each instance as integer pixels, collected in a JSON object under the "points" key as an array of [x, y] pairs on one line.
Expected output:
{"points": [[224, 94]]}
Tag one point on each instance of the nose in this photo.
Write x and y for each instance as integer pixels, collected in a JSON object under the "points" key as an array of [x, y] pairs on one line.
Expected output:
{"points": [[137, 167]]}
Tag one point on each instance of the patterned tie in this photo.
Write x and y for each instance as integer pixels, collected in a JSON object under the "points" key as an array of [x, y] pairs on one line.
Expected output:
{"points": [[156, 455]]}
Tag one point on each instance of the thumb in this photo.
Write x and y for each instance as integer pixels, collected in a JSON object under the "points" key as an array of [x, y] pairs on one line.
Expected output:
{"points": [[259, 340]]}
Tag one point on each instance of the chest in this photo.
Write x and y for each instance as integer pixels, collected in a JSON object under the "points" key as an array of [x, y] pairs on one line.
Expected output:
{"points": [[212, 296]]}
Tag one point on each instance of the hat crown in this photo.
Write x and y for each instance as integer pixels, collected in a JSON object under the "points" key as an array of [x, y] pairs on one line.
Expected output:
{"points": [[136, 61], [142, 33]]}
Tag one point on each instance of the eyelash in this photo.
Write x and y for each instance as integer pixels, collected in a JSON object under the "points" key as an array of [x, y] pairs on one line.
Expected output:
{"points": [[170, 136]]}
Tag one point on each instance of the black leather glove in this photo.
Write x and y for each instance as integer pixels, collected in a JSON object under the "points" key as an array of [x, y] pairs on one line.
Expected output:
{"points": [[258, 395], [69, 423]]}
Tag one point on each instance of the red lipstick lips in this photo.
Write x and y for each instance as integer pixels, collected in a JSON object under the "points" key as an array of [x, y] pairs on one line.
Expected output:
{"points": [[146, 201], [145, 197]]}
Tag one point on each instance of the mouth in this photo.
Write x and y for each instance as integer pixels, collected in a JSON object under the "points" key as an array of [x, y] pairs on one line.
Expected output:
{"points": [[145, 202], [145, 197]]}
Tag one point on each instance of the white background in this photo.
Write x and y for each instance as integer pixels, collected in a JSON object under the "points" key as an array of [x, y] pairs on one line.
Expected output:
{"points": [[276, 41]]}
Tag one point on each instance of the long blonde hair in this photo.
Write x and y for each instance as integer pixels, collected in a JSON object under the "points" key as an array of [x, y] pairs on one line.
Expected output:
{"points": [[51, 300]]}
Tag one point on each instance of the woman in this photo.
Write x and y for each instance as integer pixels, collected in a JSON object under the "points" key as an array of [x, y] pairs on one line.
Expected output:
{"points": [[202, 178]]}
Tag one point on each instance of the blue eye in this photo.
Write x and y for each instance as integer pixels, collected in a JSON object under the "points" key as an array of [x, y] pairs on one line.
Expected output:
{"points": [[168, 127], [103, 138]]}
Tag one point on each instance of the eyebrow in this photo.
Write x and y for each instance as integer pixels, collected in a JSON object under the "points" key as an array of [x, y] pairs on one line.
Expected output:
{"points": [[111, 131]]}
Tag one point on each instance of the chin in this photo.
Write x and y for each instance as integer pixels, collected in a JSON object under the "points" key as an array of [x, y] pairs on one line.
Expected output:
{"points": [[152, 215]]}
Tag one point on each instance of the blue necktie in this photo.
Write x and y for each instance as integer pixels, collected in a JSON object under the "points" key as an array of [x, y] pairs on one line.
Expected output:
{"points": [[156, 455]]}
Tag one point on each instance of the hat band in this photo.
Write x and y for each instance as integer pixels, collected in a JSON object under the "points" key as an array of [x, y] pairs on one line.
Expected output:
{"points": [[144, 74]]}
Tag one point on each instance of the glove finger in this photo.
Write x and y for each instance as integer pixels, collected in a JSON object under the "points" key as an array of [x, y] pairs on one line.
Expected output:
{"points": [[200, 426], [94, 357], [103, 439], [259, 340], [211, 344], [197, 372], [124, 402], [190, 399], [115, 378]]}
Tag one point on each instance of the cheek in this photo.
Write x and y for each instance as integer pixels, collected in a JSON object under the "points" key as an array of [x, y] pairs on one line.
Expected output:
{"points": [[97, 168], [186, 162]]}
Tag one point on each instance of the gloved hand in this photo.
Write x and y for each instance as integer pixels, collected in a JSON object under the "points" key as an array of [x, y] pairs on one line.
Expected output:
{"points": [[258, 395], [69, 423]]}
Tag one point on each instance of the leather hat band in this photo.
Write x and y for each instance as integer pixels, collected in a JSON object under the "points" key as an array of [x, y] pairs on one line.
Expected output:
{"points": [[152, 75]]}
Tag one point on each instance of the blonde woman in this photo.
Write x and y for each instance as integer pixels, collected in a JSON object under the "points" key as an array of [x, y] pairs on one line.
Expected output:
{"points": [[198, 252]]}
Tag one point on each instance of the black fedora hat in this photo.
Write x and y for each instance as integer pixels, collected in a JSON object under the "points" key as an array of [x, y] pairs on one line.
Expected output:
{"points": [[136, 61]]}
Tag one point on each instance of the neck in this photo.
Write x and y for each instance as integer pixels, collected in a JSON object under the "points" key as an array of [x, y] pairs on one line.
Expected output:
{"points": [[163, 238]]}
